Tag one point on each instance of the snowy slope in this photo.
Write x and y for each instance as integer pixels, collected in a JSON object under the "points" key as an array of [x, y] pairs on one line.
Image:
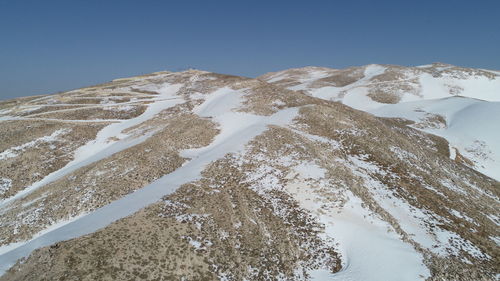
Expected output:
{"points": [[466, 98], [470, 127], [236, 130], [109, 140], [362, 237], [351, 86], [258, 179]]}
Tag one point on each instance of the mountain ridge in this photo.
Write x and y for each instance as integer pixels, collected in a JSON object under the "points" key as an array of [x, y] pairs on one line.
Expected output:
{"points": [[166, 146]]}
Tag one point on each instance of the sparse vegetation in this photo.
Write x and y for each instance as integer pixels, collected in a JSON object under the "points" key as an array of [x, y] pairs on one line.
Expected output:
{"points": [[252, 214]]}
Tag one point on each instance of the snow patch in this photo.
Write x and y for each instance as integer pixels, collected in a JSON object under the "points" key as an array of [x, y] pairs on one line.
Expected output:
{"points": [[14, 151], [362, 237], [453, 152], [5, 185], [310, 170]]}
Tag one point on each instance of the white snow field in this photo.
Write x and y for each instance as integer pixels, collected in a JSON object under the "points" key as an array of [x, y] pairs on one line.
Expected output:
{"points": [[370, 248], [472, 127]]}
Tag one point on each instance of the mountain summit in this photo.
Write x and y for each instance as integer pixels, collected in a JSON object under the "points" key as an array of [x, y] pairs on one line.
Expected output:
{"points": [[376, 172]]}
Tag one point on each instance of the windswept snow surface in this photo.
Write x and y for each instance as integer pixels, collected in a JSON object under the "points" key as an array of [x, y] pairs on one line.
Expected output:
{"points": [[478, 87], [236, 130], [448, 81], [109, 140], [370, 249], [357, 91], [469, 102], [471, 127]]}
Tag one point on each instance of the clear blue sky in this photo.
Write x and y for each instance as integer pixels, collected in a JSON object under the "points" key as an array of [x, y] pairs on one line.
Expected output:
{"points": [[49, 46]]}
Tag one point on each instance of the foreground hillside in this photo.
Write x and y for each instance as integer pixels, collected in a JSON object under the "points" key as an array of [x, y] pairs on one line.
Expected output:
{"points": [[204, 176]]}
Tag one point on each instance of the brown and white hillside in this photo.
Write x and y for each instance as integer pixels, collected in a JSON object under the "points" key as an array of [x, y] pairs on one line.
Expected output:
{"points": [[305, 174]]}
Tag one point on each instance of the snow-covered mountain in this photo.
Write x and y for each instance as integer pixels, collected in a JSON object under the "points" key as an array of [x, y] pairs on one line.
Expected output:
{"points": [[453, 102], [366, 173]]}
